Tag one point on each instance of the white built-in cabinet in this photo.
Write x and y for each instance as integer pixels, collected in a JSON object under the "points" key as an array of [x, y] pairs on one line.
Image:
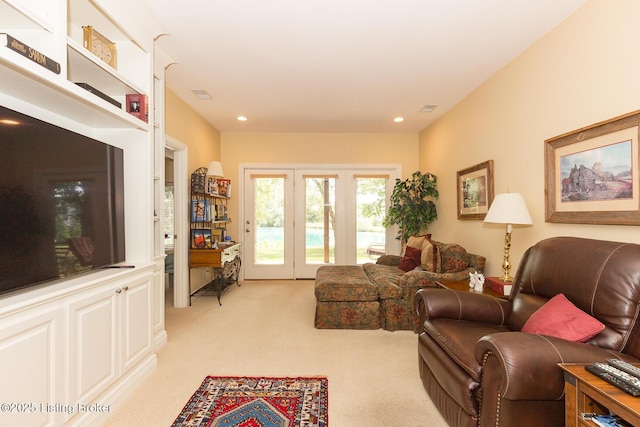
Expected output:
{"points": [[72, 350]]}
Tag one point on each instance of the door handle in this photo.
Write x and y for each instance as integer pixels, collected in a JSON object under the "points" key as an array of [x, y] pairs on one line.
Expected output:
{"points": [[247, 230]]}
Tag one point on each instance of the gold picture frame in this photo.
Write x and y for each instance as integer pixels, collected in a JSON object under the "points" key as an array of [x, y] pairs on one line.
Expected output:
{"points": [[591, 174], [475, 191]]}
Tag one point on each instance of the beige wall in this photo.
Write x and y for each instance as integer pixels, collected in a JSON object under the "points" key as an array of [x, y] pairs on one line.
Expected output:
{"points": [[314, 148], [188, 127], [584, 71]]}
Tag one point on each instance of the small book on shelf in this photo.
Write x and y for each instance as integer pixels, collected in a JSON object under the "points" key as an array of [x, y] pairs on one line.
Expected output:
{"points": [[497, 285], [224, 187]]}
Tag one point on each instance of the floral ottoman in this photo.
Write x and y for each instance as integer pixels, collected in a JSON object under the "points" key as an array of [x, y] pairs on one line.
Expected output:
{"points": [[346, 298]]}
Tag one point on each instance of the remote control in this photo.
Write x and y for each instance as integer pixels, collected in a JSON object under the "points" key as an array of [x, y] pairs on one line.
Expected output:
{"points": [[614, 376], [625, 366]]}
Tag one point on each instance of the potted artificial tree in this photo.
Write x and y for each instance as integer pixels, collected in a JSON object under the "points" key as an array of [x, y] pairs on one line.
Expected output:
{"points": [[412, 205]]}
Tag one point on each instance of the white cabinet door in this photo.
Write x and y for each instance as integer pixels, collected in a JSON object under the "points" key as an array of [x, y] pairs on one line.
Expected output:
{"points": [[136, 327], [30, 344], [110, 330], [93, 343]]}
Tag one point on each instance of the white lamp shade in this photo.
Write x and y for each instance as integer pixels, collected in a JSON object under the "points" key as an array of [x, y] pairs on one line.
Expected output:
{"points": [[215, 169], [508, 208]]}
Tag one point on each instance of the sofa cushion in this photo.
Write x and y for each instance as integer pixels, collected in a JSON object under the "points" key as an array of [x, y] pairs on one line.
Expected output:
{"points": [[385, 278], [411, 258], [344, 283], [454, 257], [560, 318], [430, 259]]}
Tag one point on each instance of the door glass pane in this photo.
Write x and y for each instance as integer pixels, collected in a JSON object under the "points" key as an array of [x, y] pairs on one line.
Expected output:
{"points": [[370, 209], [269, 220], [320, 220]]}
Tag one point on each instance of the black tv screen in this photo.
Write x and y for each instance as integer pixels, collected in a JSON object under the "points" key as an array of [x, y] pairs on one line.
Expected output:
{"points": [[61, 202]]}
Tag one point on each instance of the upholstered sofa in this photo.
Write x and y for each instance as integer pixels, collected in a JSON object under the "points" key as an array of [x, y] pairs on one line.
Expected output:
{"points": [[380, 295], [493, 362]]}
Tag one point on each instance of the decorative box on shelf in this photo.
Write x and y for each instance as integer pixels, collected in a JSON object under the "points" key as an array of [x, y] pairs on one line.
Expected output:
{"points": [[503, 288]]}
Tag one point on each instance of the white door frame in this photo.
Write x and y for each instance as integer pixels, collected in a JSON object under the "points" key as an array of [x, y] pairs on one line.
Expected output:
{"points": [[395, 171], [248, 228], [181, 294]]}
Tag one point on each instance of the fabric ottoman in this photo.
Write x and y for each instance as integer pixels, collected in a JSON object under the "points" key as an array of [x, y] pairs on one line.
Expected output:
{"points": [[345, 299]]}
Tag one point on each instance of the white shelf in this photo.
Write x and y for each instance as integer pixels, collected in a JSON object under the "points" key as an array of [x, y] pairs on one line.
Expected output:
{"points": [[85, 67]]}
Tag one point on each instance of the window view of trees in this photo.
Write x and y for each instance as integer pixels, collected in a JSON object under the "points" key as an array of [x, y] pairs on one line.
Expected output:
{"points": [[370, 205], [269, 220], [319, 218]]}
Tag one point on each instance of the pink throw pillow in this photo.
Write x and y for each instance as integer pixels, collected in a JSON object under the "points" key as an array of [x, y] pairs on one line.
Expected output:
{"points": [[411, 259], [558, 317]]}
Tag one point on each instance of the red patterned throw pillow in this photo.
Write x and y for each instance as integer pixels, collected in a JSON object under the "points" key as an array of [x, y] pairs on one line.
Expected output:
{"points": [[411, 259], [558, 317]]}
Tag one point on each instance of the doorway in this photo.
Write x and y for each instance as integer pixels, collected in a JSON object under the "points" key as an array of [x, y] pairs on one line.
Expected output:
{"points": [[181, 236], [296, 218]]}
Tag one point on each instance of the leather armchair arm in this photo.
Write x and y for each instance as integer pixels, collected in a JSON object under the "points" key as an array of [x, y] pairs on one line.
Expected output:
{"points": [[521, 366], [432, 303]]}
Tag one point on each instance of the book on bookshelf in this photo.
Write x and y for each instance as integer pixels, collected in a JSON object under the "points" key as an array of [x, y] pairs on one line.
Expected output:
{"points": [[200, 211], [29, 53]]}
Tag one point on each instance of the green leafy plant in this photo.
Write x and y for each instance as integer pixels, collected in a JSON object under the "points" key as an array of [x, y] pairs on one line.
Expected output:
{"points": [[412, 205]]}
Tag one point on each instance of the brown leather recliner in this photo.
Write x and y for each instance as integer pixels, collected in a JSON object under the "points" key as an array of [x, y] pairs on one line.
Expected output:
{"points": [[480, 370]]}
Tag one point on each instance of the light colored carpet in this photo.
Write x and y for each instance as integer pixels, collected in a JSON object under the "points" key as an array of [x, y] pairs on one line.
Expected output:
{"points": [[265, 328]]}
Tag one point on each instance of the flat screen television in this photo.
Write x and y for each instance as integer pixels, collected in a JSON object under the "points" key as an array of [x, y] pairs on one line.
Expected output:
{"points": [[61, 202]]}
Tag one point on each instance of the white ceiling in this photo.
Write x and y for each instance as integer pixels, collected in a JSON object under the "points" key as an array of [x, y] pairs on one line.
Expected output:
{"points": [[342, 65]]}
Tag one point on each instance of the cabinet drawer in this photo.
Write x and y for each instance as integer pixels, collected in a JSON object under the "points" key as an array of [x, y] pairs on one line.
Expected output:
{"points": [[205, 258]]}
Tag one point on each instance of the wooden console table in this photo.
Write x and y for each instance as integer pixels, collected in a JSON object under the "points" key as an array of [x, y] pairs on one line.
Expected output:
{"points": [[585, 392], [224, 261]]}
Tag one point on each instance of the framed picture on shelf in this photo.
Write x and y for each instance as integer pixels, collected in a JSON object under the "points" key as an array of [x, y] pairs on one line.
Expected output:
{"points": [[200, 211], [201, 239], [137, 106], [475, 190], [591, 174]]}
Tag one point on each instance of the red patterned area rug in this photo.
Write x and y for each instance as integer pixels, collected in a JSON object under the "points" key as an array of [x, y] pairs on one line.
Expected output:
{"points": [[257, 402]]}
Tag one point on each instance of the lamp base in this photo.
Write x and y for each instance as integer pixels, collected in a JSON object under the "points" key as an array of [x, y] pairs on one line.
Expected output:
{"points": [[506, 264], [505, 278]]}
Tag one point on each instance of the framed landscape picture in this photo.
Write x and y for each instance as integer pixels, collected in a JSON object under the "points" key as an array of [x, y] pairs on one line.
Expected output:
{"points": [[591, 174], [475, 190]]}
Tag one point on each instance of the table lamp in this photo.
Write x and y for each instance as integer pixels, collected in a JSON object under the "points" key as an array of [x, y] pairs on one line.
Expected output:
{"points": [[215, 169], [509, 209]]}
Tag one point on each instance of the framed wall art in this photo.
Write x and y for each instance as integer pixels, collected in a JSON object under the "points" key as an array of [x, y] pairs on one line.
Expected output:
{"points": [[475, 190], [591, 174]]}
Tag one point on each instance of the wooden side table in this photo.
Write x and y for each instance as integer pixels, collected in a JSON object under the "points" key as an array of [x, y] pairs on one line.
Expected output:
{"points": [[225, 263], [463, 285], [585, 392]]}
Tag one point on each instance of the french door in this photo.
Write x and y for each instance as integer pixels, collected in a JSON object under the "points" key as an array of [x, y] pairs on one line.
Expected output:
{"points": [[295, 220]]}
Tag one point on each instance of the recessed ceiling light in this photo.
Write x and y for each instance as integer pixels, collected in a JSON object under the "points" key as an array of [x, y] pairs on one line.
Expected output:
{"points": [[9, 122], [201, 94], [398, 119], [241, 118], [428, 108]]}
